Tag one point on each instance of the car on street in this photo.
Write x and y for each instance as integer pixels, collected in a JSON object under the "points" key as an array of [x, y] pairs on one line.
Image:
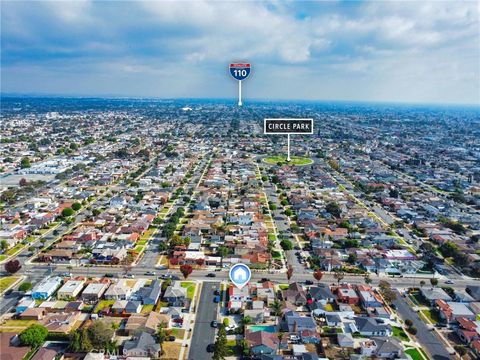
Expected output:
{"points": [[109, 275], [214, 324], [211, 275], [210, 348], [308, 282], [449, 282], [151, 273]]}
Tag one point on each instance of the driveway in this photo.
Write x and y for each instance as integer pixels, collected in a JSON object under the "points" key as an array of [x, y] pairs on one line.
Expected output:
{"points": [[427, 338], [203, 333]]}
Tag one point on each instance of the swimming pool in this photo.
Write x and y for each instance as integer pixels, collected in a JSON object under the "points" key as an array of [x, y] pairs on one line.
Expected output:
{"points": [[267, 328]]}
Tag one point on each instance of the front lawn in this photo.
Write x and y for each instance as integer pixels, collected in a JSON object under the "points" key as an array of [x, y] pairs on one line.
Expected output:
{"points": [[414, 353], [400, 334], [146, 309], [431, 315], [190, 286]]}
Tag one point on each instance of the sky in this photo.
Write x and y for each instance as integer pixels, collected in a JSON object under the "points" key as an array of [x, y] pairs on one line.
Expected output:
{"points": [[387, 51]]}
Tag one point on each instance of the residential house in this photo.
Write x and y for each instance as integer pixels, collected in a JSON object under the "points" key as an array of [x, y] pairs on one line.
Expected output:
{"points": [[60, 323], [143, 345], [118, 291], [346, 294], [263, 342], [45, 354], [149, 295], [46, 288], [175, 295], [94, 292], [293, 322], [321, 293], [388, 347], [345, 340], [10, 346], [368, 326], [295, 294], [468, 330], [450, 311], [24, 304], [70, 289], [433, 294], [148, 323]]}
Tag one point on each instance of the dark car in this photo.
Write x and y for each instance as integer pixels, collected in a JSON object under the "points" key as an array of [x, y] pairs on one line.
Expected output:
{"points": [[109, 275], [214, 324], [171, 338], [308, 282], [216, 292], [265, 279], [210, 348], [8, 292], [211, 275]]}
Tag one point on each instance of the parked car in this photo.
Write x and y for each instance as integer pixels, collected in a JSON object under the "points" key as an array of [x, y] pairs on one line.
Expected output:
{"points": [[216, 299], [214, 324], [216, 292], [308, 282], [152, 273], [211, 275], [109, 275], [171, 338], [210, 348]]}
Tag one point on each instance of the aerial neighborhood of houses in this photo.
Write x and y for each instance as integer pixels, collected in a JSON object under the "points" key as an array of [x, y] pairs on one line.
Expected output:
{"points": [[118, 228]]}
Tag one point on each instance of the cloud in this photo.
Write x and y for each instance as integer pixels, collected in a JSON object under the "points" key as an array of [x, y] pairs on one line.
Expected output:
{"points": [[331, 50]]}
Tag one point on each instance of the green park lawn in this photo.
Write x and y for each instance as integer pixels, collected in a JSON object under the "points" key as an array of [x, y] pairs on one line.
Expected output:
{"points": [[282, 159], [6, 282]]}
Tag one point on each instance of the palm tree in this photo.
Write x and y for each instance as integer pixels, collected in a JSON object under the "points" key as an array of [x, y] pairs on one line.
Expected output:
{"points": [[280, 338], [276, 308]]}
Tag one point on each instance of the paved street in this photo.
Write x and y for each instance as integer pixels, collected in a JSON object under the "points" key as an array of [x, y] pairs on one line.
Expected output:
{"points": [[203, 333], [427, 338]]}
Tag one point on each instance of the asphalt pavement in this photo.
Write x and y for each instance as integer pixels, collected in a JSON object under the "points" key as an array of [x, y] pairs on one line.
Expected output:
{"points": [[203, 333], [427, 338]]}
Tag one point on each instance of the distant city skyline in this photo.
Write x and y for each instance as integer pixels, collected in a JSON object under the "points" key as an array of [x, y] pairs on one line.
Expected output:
{"points": [[407, 52]]}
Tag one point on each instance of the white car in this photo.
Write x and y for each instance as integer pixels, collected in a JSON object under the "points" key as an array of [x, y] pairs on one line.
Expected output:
{"points": [[449, 282]]}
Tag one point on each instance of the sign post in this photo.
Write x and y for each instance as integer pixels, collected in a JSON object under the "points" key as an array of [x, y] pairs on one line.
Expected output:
{"points": [[287, 126], [240, 71]]}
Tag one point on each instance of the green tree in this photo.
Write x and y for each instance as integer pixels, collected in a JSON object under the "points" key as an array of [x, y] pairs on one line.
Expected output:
{"points": [[434, 282], [25, 286], [286, 244], [80, 340], [25, 163], [162, 334], [76, 206], [334, 209], [67, 212], [422, 283], [221, 350], [222, 251], [338, 275], [34, 335], [4, 245], [100, 334]]}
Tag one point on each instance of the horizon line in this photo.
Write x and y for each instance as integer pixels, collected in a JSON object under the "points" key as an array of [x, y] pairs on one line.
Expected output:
{"points": [[255, 99]]}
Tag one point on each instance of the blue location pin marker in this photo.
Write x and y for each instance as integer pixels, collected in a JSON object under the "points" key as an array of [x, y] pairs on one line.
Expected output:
{"points": [[240, 275]]}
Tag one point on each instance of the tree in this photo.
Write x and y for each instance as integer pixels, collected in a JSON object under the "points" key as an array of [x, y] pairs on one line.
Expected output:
{"points": [[412, 330], [334, 209], [25, 163], [289, 272], [4, 245], [434, 282], [422, 283], [286, 244], [339, 275], [162, 333], [25, 286], [221, 350], [186, 270], [34, 335], [367, 279], [13, 266], [276, 309], [67, 212], [246, 320], [280, 336], [80, 341], [461, 350], [318, 275], [76, 206], [100, 334], [222, 251], [386, 290], [23, 182], [408, 323], [199, 262]]}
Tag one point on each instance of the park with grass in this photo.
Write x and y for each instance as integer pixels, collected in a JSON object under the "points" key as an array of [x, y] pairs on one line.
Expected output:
{"points": [[282, 160]]}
